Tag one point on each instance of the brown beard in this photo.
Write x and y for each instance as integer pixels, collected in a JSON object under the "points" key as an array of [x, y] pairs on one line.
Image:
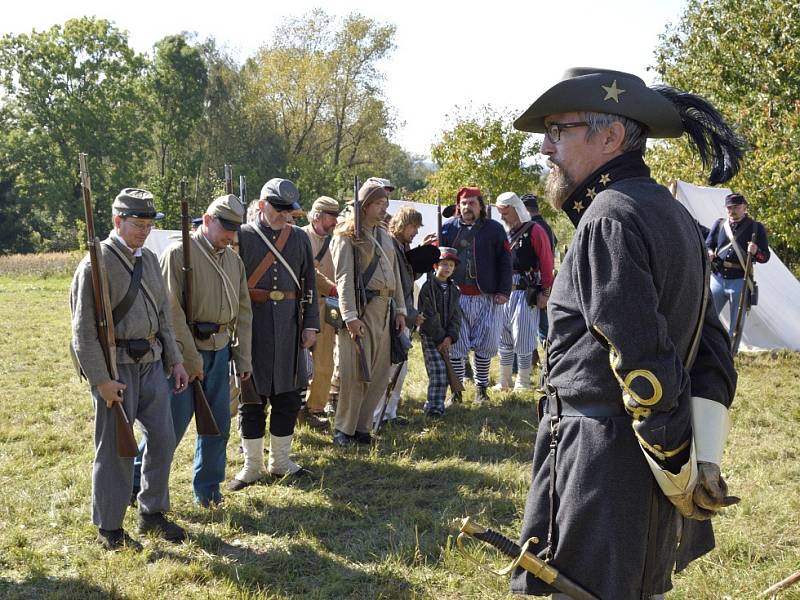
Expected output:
{"points": [[558, 186]]}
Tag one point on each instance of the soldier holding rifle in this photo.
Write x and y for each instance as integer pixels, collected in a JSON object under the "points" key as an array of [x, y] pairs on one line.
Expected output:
{"points": [[729, 243], [220, 328], [364, 258], [146, 353], [280, 273]]}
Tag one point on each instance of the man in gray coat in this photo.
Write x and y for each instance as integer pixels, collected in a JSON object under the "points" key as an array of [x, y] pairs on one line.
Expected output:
{"points": [[146, 353], [280, 273], [638, 374]]}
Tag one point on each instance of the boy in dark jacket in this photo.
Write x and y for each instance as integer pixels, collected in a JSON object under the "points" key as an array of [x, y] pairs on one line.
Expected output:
{"points": [[440, 321]]}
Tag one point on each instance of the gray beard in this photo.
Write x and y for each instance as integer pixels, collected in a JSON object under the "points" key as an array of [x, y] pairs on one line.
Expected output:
{"points": [[558, 186]]}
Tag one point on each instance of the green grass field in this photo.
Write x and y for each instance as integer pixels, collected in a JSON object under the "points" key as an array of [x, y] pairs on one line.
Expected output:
{"points": [[374, 524]]}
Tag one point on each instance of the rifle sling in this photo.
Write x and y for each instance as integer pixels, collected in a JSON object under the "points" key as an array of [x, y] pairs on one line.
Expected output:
{"points": [[122, 309], [738, 250], [269, 257], [520, 232], [373, 264], [325, 245]]}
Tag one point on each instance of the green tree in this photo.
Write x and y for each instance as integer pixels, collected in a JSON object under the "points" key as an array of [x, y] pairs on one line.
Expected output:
{"points": [[71, 88], [752, 48], [485, 151], [177, 83], [318, 86]]}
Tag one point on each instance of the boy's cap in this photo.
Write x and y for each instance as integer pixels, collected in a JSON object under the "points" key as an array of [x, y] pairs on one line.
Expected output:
{"points": [[447, 253]]}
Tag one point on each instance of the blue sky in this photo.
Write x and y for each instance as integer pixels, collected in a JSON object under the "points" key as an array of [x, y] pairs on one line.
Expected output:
{"points": [[449, 54]]}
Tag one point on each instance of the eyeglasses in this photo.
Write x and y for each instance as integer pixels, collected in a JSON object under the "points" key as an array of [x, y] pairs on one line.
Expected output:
{"points": [[141, 226], [554, 130]]}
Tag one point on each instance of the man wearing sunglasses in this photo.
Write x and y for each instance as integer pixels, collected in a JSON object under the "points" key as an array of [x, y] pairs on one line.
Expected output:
{"points": [[638, 373], [280, 273]]}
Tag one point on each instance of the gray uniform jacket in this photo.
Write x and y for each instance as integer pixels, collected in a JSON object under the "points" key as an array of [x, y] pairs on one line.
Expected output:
{"points": [[277, 340], [622, 312], [144, 320]]}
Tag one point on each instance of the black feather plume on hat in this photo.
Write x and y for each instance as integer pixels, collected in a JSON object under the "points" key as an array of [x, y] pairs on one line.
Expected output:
{"points": [[716, 142]]}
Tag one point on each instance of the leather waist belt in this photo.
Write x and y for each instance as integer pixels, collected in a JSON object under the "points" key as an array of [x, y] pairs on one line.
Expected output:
{"points": [[470, 290], [137, 348], [520, 286], [124, 343], [384, 293], [260, 296], [571, 408], [732, 265]]}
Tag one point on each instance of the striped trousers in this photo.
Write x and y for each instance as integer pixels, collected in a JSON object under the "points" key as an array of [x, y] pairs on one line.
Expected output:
{"points": [[479, 332], [519, 327]]}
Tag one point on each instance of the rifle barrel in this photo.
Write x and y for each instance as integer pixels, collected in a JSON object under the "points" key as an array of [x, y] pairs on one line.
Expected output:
{"points": [[204, 419], [126, 442]]}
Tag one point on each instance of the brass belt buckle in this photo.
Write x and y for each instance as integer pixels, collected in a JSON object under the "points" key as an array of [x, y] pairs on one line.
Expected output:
{"points": [[275, 295]]}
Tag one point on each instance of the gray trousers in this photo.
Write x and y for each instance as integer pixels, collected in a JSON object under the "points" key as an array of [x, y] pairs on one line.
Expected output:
{"points": [[146, 400]]}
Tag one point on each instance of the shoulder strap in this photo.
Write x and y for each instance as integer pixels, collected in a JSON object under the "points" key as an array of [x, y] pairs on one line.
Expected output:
{"points": [[736, 247], [376, 258], [127, 264], [122, 309], [698, 330], [269, 257], [276, 253], [226, 281], [520, 232], [325, 245]]}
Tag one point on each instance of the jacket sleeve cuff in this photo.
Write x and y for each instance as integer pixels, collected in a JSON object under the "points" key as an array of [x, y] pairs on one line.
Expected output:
{"points": [[710, 426], [674, 484]]}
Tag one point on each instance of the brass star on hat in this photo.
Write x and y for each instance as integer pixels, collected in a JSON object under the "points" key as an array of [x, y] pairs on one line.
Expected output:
{"points": [[578, 206], [591, 193], [605, 179], [612, 92]]}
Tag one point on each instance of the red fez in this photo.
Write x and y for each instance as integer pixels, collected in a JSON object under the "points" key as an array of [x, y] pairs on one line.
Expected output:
{"points": [[468, 192]]}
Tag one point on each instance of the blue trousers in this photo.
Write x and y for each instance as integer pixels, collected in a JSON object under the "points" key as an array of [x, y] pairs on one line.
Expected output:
{"points": [[727, 291], [209, 452]]}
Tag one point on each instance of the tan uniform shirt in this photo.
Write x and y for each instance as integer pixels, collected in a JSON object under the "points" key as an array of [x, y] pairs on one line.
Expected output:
{"points": [[386, 276], [326, 279], [219, 295]]}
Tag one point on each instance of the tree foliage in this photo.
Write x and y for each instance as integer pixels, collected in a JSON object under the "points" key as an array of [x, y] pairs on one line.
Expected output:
{"points": [[318, 85], [484, 151], [744, 56], [71, 88], [308, 106], [177, 83]]}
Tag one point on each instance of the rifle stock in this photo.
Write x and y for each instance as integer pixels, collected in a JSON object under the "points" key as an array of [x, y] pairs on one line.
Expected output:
{"points": [[203, 417], [376, 427], [360, 292], [126, 442], [452, 378]]}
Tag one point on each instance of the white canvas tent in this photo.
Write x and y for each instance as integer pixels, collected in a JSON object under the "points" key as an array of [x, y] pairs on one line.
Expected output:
{"points": [[775, 322]]}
